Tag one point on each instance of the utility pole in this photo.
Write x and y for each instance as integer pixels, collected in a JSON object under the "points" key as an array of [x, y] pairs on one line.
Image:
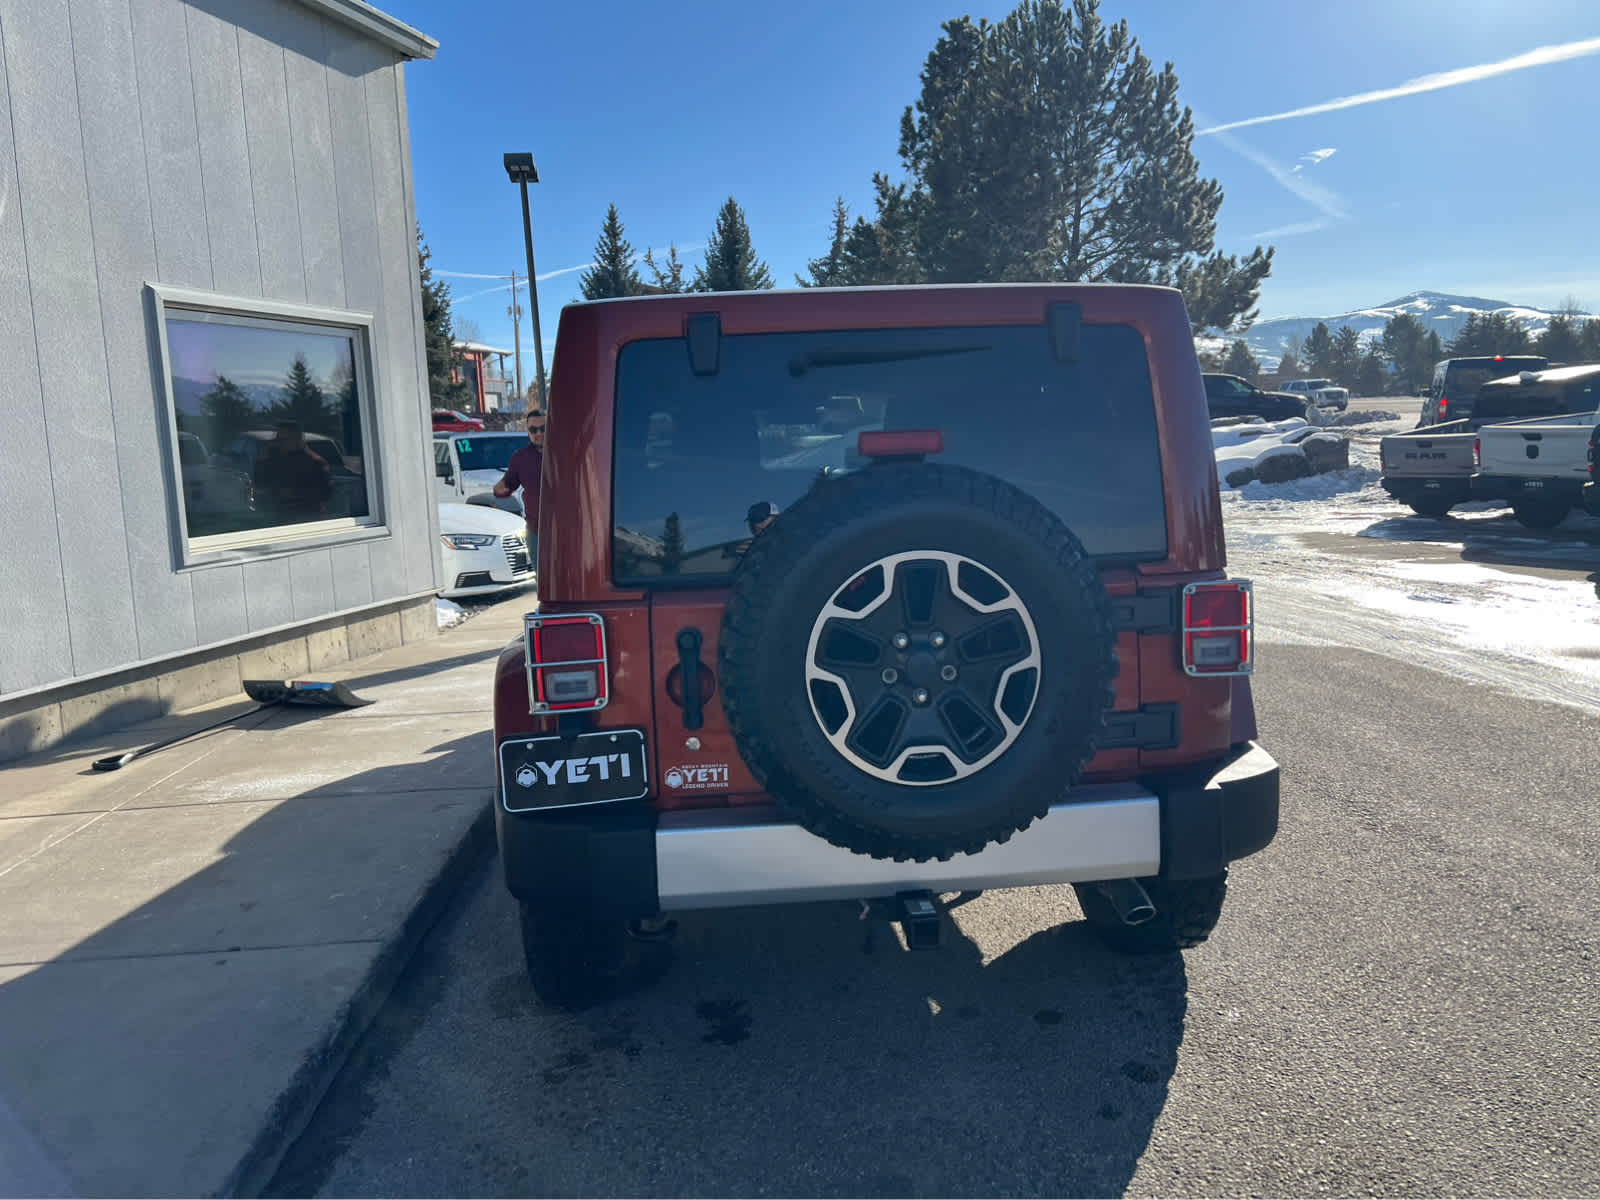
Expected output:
{"points": [[515, 312]]}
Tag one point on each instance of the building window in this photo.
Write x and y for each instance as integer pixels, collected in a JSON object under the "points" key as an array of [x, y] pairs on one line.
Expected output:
{"points": [[272, 416]]}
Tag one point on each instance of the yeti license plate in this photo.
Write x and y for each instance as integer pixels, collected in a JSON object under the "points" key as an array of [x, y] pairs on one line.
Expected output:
{"points": [[561, 772]]}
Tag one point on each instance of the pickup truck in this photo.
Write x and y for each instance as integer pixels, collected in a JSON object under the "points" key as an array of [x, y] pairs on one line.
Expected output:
{"points": [[1432, 471], [1322, 392], [1591, 490], [1539, 466], [1434, 467], [466, 466]]}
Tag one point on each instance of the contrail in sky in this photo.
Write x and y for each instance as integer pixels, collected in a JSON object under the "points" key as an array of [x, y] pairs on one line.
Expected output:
{"points": [[1541, 57]]}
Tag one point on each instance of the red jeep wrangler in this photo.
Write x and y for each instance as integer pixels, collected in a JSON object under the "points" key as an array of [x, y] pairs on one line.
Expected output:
{"points": [[977, 635]]}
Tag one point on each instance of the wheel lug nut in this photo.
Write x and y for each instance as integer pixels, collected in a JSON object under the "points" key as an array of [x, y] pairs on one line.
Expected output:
{"points": [[920, 696], [947, 673], [938, 641], [901, 641], [891, 676]]}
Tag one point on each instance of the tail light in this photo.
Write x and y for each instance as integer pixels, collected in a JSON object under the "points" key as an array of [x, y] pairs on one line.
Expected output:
{"points": [[566, 657], [1218, 624], [1444, 405], [1477, 452]]}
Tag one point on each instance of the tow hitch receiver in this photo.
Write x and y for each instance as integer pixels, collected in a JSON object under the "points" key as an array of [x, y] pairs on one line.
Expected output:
{"points": [[919, 918]]}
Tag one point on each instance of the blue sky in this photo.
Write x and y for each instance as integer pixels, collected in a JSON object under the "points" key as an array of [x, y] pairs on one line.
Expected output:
{"points": [[1483, 187]]}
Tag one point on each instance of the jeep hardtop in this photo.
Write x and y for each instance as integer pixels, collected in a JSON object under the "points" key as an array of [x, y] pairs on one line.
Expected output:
{"points": [[873, 595]]}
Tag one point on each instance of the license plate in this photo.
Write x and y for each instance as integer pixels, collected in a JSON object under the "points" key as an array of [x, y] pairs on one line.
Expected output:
{"points": [[1532, 484], [568, 770]]}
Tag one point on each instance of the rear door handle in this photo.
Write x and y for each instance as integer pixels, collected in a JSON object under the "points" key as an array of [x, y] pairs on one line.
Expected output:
{"points": [[689, 665]]}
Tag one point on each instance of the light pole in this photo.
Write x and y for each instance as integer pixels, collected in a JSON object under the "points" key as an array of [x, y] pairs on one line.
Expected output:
{"points": [[522, 172]]}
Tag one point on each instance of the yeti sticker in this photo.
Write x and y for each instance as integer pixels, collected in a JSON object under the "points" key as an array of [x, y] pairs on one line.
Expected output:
{"points": [[702, 777], [527, 777]]}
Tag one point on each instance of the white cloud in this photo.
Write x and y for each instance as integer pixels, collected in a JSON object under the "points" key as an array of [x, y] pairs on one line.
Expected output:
{"points": [[1313, 158], [1325, 200], [1540, 57]]}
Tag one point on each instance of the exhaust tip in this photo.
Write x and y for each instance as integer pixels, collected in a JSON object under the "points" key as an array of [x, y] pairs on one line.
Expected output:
{"points": [[1128, 897]]}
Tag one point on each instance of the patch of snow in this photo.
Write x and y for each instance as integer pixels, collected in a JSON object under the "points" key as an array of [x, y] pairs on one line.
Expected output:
{"points": [[450, 613], [1250, 445], [1278, 497]]}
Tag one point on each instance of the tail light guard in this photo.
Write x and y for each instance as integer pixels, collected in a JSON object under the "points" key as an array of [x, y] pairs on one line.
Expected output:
{"points": [[1219, 628], [565, 657]]}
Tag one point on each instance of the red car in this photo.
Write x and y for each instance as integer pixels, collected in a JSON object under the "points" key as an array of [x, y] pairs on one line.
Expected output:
{"points": [[447, 420], [876, 596]]}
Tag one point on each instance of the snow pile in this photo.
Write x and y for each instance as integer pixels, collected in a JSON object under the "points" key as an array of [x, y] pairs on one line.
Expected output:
{"points": [[1247, 446], [1365, 416], [1250, 431], [450, 613], [1274, 496]]}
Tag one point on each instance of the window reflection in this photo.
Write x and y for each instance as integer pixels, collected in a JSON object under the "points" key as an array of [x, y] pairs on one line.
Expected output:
{"points": [[269, 423]]}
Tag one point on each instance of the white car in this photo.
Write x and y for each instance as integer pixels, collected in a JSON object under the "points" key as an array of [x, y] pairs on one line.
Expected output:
{"points": [[466, 466], [484, 550], [1324, 392]]}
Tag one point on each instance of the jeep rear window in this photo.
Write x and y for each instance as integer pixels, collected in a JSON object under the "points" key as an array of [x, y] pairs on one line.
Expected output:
{"points": [[695, 454]]}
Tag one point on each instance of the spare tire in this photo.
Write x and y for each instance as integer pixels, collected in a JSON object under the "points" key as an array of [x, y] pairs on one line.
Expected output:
{"points": [[916, 660]]}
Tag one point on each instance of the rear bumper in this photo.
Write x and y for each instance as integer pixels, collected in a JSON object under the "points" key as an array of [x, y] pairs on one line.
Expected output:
{"points": [[628, 861], [1521, 487], [1456, 489]]}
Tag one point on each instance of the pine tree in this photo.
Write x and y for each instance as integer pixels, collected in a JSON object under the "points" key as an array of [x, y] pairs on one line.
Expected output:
{"points": [[439, 336], [672, 545], [1288, 366], [1404, 346], [670, 278], [1241, 362], [1345, 370], [1434, 352], [1049, 147], [829, 271], [1319, 351], [883, 251], [613, 273], [1490, 333], [303, 400], [228, 411], [1560, 341], [1220, 291], [1589, 340], [731, 264], [863, 255], [1373, 377]]}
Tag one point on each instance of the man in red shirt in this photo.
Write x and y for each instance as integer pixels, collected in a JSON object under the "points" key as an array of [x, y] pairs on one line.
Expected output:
{"points": [[523, 472]]}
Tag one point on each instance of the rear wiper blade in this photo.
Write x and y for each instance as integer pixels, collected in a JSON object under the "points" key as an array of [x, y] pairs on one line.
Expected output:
{"points": [[855, 358]]}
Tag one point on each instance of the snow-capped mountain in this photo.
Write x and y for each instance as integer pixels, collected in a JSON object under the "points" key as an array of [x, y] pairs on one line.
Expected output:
{"points": [[1436, 310]]}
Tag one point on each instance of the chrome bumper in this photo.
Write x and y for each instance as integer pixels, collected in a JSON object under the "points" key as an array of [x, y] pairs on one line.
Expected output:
{"points": [[726, 858]]}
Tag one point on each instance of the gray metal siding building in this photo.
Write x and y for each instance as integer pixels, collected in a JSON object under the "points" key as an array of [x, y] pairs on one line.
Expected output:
{"points": [[204, 194]]}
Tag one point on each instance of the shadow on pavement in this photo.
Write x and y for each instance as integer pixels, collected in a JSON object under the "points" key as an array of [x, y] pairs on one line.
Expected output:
{"points": [[1503, 542], [789, 1051], [168, 1045]]}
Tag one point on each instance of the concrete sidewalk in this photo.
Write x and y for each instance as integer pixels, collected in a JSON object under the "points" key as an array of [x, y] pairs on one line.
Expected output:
{"points": [[191, 945]]}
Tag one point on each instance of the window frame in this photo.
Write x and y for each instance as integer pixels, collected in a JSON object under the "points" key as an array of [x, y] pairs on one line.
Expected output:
{"points": [[187, 304]]}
